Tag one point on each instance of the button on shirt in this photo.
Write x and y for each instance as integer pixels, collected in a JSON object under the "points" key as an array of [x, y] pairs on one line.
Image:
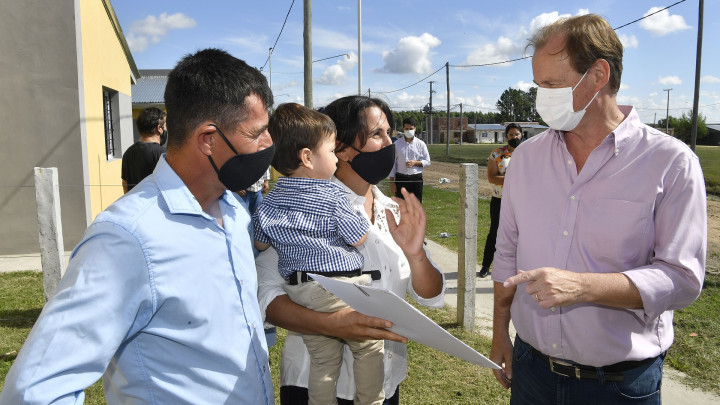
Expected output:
{"points": [[404, 151], [312, 226], [381, 253], [159, 300], [637, 207]]}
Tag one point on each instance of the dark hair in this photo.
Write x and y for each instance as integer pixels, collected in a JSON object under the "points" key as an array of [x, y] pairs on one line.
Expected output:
{"points": [[210, 85], [294, 127], [348, 114], [409, 120], [511, 126], [587, 38], [148, 120]]}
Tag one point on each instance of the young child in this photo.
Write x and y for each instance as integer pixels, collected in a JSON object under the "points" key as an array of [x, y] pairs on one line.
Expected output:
{"points": [[314, 229]]}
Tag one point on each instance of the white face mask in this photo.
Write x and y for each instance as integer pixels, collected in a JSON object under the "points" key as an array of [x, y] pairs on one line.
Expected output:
{"points": [[409, 133], [555, 106]]}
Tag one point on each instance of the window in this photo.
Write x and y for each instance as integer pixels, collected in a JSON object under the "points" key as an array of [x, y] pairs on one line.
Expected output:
{"points": [[484, 135], [109, 98]]}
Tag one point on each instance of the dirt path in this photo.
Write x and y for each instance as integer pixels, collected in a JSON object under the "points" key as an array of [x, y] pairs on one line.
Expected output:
{"points": [[451, 171]]}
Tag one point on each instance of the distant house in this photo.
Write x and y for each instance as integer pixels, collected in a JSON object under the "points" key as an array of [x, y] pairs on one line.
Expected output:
{"points": [[479, 133], [713, 134], [148, 91], [65, 97]]}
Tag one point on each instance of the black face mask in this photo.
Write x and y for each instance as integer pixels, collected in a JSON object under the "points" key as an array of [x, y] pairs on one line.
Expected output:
{"points": [[374, 166], [163, 137], [242, 171], [514, 142]]}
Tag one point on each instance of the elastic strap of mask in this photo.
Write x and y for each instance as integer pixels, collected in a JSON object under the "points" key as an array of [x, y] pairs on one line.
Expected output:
{"points": [[225, 139], [578, 83]]}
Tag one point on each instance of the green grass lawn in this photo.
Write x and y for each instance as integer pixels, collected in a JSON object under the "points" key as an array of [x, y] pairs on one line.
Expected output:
{"points": [[710, 162]]}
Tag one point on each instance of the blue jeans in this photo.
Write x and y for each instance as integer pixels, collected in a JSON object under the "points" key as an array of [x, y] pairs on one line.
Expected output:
{"points": [[253, 200], [534, 383]]}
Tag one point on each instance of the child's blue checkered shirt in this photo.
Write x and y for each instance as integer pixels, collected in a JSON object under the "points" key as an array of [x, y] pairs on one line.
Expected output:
{"points": [[311, 224]]}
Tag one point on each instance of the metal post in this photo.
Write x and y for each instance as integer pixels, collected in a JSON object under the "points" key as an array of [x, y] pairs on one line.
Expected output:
{"points": [[47, 195], [447, 132], [698, 59], [430, 131], [307, 49], [467, 245], [270, 67], [461, 124], [667, 113], [359, 6]]}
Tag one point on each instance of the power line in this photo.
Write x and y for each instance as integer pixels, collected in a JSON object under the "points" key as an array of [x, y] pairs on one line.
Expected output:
{"points": [[496, 63], [644, 17], [278, 37], [419, 81], [524, 57]]}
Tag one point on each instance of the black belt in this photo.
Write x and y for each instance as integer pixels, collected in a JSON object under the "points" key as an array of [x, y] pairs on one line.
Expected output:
{"points": [[411, 176], [302, 276], [613, 372]]}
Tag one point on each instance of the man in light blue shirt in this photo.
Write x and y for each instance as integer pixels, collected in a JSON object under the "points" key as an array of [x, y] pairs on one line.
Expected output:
{"points": [[160, 296], [411, 157]]}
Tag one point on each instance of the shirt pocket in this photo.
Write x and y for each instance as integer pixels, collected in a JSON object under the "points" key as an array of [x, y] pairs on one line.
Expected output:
{"points": [[617, 229]]}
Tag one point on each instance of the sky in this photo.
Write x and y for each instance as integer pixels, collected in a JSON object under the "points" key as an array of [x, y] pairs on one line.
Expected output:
{"points": [[405, 41]]}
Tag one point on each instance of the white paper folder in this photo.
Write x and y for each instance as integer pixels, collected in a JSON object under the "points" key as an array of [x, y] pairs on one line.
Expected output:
{"points": [[407, 320]]}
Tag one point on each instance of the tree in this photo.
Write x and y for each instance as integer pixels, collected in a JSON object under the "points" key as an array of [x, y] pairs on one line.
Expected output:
{"points": [[518, 106], [682, 127]]}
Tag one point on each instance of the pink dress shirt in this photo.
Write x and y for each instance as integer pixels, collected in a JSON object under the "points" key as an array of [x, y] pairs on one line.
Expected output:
{"points": [[638, 207]]}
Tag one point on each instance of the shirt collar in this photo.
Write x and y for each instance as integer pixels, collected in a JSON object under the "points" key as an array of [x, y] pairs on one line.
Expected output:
{"points": [[175, 193], [380, 204], [620, 136]]}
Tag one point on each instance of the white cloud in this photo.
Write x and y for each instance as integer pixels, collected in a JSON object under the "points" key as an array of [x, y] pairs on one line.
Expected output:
{"points": [[411, 55], [337, 74], [545, 19], [624, 86], [710, 79], [410, 100], [524, 86], [673, 80], [663, 23], [502, 50], [152, 29], [629, 41]]}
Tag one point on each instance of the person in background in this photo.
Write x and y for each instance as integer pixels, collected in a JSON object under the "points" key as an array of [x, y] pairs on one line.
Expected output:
{"points": [[253, 196], [160, 297], [394, 247], [603, 233], [497, 164], [411, 156], [140, 158], [311, 224]]}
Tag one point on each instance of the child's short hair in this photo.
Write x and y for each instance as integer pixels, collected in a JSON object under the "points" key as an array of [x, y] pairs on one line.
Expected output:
{"points": [[294, 127]]}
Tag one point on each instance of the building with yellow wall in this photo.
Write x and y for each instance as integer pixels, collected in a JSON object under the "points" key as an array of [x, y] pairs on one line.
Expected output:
{"points": [[65, 94]]}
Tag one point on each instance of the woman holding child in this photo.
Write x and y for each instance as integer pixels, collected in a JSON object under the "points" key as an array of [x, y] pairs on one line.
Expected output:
{"points": [[393, 249]]}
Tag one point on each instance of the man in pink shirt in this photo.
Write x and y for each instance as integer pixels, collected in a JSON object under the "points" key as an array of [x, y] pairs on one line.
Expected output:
{"points": [[603, 233]]}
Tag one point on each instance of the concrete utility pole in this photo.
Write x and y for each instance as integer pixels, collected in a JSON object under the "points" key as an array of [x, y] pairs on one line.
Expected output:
{"points": [[430, 131], [447, 132], [667, 112], [467, 245], [698, 59], [359, 47], [307, 49]]}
